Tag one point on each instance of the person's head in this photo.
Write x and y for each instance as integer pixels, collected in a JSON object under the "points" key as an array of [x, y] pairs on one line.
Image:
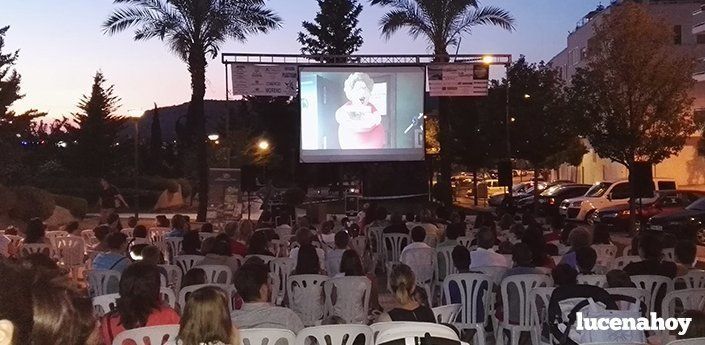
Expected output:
{"points": [[564, 275], [39, 262], [601, 235], [618, 278], [586, 258], [139, 231], [139, 294], [410, 217], [116, 242], [342, 239], [696, 329], [418, 234], [71, 228], [131, 222], [454, 230], [403, 283], [221, 246], [382, 213], [522, 255], [101, 232], [244, 230], [259, 242], [162, 221], [304, 236], [206, 318], [461, 259], [307, 260], [580, 237], [686, 252], [104, 183], [351, 264], [194, 276], [486, 238], [35, 231], [396, 219], [230, 229], [178, 222], [344, 222], [506, 221], [252, 282], [152, 255], [15, 305], [327, 227], [358, 88], [354, 230], [650, 247], [207, 227], [517, 229], [114, 220], [191, 243]]}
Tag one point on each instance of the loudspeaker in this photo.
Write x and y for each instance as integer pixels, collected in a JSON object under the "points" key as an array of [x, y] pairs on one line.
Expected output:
{"points": [[504, 173], [248, 178], [642, 180]]}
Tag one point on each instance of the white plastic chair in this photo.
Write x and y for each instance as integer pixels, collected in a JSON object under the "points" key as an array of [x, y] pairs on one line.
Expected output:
{"points": [[557, 259], [34, 248], [376, 240], [71, 250], [403, 330], [280, 248], [104, 304], [204, 235], [352, 298], [447, 313], [669, 254], [217, 274], [173, 245], [305, 292], [53, 235], [336, 333], [168, 296], [654, 285], [626, 250], [593, 279], [99, 281], [157, 237], [147, 335], [128, 232], [494, 272], [538, 303], [640, 294], [693, 341], [266, 258], [173, 275], [266, 336], [186, 291], [622, 261], [186, 262], [606, 253], [281, 268], [422, 262], [89, 238], [444, 260], [465, 241], [521, 284], [689, 299], [475, 297], [395, 242], [694, 279]]}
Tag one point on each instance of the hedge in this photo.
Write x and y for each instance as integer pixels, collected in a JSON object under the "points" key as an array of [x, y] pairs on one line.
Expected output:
{"points": [[7, 199], [32, 202], [77, 206]]}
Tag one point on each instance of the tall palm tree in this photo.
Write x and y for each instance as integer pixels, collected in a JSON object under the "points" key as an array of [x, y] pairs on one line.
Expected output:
{"points": [[194, 29], [442, 23]]}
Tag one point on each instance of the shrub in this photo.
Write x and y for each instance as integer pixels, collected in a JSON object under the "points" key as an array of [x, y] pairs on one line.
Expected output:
{"points": [[294, 196], [32, 202], [7, 199], [77, 206]]}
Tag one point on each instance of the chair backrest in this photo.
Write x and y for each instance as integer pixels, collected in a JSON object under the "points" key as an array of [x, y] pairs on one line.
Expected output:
{"points": [[689, 299], [147, 335], [465, 241], [606, 253], [338, 334], [186, 291], [186, 262], [538, 305], [281, 268], [375, 239], [395, 243], [204, 235], [622, 261], [522, 284], [173, 275], [53, 235], [404, 330], [217, 274], [669, 254], [655, 285], [422, 262], [431, 240], [265, 258], [304, 292], [104, 304], [352, 298], [693, 341], [34, 248], [99, 281], [626, 251], [71, 250], [280, 248], [694, 279], [447, 313], [444, 259], [496, 273], [266, 336], [157, 234], [593, 279], [173, 245], [474, 295], [168, 296], [128, 232], [89, 237], [640, 294]]}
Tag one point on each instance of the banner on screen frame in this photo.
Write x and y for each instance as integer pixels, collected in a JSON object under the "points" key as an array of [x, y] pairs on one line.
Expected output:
{"points": [[264, 80], [458, 80]]}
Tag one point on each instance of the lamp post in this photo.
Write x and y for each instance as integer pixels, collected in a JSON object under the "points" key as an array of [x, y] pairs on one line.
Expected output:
{"points": [[135, 116]]}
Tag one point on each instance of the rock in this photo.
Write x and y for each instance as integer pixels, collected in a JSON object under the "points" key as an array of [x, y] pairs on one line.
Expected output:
{"points": [[168, 200], [59, 218]]}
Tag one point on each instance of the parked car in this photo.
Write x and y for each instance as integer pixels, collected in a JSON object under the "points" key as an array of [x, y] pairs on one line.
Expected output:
{"points": [[493, 188], [688, 224], [553, 196], [520, 191], [667, 202], [605, 194]]}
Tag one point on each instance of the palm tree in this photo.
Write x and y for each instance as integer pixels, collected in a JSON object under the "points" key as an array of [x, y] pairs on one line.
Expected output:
{"points": [[194, 29], [442, 23]]}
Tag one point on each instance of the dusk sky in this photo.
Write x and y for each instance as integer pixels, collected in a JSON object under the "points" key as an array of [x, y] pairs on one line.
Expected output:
{"points": [[62, 45]]}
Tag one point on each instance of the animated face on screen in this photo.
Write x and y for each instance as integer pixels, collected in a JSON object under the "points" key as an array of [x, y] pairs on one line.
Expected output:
{"points": [[359, 123]]}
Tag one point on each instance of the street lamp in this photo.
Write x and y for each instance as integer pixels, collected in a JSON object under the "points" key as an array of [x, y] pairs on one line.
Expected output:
{"points": [[213, 137], [263, 145], [135, 115], [488, 59]]}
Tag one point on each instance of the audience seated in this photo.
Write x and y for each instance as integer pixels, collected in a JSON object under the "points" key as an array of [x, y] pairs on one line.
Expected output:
{"points": [[252, 284], [101, 234], [191, 244], [418, 235], [351, 266], [114, 258], [259, 244], [162, 221], [206, 319], [305, 236], [585, 259], [35, 231], [650, 250], [139, 231], [283, 227], [178, 226], [327, 236], [403, 286], [396, 225], [219, 254], [685, 255], [485, 255], [427, 222], [139, 304], [333, 257], [132, 222], [240, 234], [523, 261], [579, 237], [453, 231], [194, 276], [113, 222], [601, 235], [461, 259], [72, 229], [618, 279], [534, 238], [207, 228], [307, 260]]}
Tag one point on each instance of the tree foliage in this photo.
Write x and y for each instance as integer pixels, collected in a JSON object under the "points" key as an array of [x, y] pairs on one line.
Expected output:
{"points": [[334, 30]]}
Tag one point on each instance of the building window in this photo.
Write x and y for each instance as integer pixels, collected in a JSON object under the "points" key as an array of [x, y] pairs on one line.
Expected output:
{"points": [[677, 36], [700, 38], [583, 54]]}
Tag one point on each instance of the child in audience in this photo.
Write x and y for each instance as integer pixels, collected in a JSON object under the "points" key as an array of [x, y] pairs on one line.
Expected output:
{"points": [[206, 319]]}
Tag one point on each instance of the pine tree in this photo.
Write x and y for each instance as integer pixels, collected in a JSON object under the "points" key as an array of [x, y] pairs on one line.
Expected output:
{"points": [[9, 78], [334, 31], [98, 129]]}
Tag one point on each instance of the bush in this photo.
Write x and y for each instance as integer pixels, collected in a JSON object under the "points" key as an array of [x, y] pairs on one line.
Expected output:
{"points": [[32, 202], [77, 206], [294, 196], [7, 200]]}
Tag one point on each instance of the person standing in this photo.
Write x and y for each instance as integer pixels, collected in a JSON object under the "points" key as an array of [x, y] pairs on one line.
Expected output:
{"points": [[109, 200]]}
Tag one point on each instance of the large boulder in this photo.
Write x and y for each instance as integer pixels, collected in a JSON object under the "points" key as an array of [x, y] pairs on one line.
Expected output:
{"points": [[59, 217]]}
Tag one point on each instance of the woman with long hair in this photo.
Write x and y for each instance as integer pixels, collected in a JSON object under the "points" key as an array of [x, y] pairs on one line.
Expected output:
{"points": [[307, 261], [139, 304], [403, 284], [206, 319], [351, 266]]}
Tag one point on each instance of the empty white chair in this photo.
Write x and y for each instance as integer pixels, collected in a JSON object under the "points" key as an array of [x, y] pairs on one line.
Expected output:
{"points": [[53, 235], [280, 248], [348, 298], [305, 292], [519, 286], [593, 279], [217, 274], [265, 258], [474, 294], [605, 254], [186, 262], [281, 268], [104, 304], [89, 238], [266, 336], [404, 330], [465, 241], [694, 341], [173, 276], [689, 299], [694, 279], [100, 282], [622, 261], [538, 303], [336, 334], [655, 285], [447, 313], [396, 243], [70, 250], [173, 245], [168, 296], [147, 335]]}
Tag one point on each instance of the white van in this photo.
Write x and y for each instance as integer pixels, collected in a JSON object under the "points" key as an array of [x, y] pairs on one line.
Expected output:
{"points": [[605, 194]]}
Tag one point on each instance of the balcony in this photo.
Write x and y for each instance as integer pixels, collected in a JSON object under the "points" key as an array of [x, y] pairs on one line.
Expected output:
{"points": [[698, 28]]}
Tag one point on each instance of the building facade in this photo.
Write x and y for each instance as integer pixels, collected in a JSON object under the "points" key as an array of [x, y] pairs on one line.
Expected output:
{"points": [[687, 20]]}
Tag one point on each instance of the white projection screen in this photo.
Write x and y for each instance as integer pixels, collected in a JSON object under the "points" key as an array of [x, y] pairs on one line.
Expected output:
{"points": [[361, 114]]}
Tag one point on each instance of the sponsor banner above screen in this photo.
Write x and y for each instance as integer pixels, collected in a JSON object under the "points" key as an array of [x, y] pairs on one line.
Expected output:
{"points": [[264, 80], [362, 114], [447, 80]]}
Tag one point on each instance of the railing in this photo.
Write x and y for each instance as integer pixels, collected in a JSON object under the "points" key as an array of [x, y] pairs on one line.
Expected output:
{"points": [[298, 59]]}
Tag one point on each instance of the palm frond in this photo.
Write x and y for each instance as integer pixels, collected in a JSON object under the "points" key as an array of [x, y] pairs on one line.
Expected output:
{"points": [[486, 16], [124, 18]]}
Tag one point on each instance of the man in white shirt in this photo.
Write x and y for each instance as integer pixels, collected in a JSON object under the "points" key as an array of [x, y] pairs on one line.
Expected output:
{"points": [[253, 286], [418, 235], [333, 257], [484, 255]]}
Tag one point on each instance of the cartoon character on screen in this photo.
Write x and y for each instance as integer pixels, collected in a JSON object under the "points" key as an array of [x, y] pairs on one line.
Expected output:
{"points": [[359, 122]]}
